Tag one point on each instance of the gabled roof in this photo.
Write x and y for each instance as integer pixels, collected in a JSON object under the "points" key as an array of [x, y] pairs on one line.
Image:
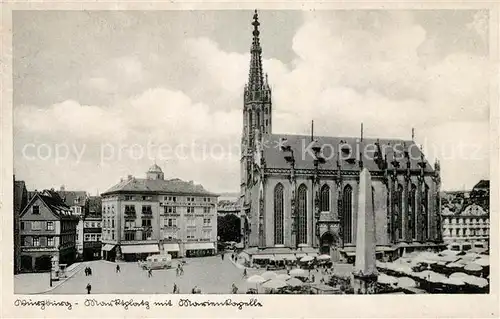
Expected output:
{"points": [[394, 148], [69, 197], [94, 206], [175, 186], [53, 202], [482, 184]]}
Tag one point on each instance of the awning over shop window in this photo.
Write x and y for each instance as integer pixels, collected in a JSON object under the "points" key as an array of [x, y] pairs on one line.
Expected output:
{"points": [[262, 257], [140, 249], [199, 246], [171, 247], [108, 247], [286, 257]]}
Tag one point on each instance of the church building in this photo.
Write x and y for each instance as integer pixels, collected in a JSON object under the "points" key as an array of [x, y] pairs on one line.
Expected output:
{"points": [[299, 193]]}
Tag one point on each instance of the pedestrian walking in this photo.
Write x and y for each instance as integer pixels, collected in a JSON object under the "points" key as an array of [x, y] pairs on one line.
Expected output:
{"points": [[86, 271], [234, 289], [175, 289], [244, 273], [150, 272], [181, 270], [313, 278], [90, 271], [89, 287], [117, 268]]}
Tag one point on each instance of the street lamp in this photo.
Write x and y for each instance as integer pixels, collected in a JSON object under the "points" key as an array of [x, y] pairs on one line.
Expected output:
{"points": [[290, 159], [51, 268]]}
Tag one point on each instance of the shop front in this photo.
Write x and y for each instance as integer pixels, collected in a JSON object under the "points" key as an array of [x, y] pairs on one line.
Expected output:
{"points": [[172, 249], [109, 252], [199, 249], [139, 252]]}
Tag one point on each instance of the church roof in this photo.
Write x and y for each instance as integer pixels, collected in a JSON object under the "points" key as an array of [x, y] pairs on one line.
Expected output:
{"points": [[349, 150], [158, 186]]}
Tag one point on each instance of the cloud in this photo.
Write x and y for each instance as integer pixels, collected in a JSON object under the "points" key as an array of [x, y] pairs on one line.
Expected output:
{"points": [[374, 67]]}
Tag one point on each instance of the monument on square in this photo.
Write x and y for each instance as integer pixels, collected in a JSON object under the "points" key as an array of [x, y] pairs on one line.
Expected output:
{"points": [[365, 271]]}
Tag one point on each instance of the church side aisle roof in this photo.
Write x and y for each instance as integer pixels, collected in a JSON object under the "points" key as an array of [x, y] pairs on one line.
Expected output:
{"points": [[274, 156]]}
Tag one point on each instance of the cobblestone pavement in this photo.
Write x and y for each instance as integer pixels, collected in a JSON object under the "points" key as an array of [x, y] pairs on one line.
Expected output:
{"points": [[210, 274]]}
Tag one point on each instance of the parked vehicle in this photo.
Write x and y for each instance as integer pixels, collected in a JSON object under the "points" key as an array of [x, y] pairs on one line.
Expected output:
{"points": [[158, 262]]}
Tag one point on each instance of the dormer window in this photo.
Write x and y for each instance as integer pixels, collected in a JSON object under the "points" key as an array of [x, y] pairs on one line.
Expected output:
{"points": [[36, 210]]}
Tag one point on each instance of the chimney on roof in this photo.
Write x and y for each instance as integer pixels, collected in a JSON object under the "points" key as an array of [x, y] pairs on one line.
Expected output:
{"points": [[62, 188]]}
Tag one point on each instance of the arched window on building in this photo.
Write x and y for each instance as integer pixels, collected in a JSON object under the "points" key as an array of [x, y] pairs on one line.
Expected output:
{"points": [[302, 214], [278, 214], [425, 213], [347, 214], [399, 212], [412, 212], [324, 205]]}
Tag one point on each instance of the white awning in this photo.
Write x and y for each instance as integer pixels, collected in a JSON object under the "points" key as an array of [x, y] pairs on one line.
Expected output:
{"points": [[108, 247], [171, 247], [262, 257], [140, 249], [199, 246], [285, 257]]}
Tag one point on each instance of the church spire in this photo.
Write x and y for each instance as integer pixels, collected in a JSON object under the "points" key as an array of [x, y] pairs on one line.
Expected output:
{"points": [[255, 78]]}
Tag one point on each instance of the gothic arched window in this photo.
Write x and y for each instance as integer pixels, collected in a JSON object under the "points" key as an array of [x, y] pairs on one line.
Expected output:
{"points": [[399, 212], [347, 214], [425, 212], [412, 212], [324, 205], [302, 214], [278, 214]]}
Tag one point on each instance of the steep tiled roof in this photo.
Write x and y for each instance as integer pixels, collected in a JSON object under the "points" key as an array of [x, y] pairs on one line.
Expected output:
{"points": [[69, 197], [176, 186], [94, 206], [482, 184], [55, 203], [274, 157]]}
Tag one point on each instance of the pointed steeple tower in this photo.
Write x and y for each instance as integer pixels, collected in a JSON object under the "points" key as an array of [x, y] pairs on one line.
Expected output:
{"points": [[255, 78], [257, 112]]}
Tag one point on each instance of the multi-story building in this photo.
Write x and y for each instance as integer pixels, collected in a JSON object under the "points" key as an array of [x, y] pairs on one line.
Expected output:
{"points": [[302, 190], [153, 215], [92, 230], [48, 233], [77, 201], [466, 217], [20, 201]]}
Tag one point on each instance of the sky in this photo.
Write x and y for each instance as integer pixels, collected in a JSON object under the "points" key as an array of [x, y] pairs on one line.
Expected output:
{"points": [[99, 95]]}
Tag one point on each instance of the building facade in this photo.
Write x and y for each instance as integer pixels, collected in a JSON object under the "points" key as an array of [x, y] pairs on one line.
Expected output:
{"points": [[48, 233], [302, 191], [466, 218], [77, 202], [20, 201], [153, 215], [92, 229]]}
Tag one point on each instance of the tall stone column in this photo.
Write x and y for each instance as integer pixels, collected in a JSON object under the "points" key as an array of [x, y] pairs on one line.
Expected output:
{"points": [[365, 271]]}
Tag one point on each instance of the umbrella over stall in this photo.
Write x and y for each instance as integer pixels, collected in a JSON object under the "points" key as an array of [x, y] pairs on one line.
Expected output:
{"points": [[269, 275], [297, 272], [274, 284]]}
